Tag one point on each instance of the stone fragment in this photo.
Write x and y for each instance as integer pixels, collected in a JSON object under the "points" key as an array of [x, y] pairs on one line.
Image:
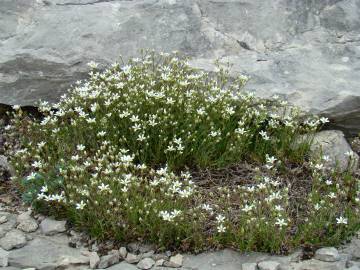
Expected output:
{"points": [[123, 252], [147, 254], [108, 260], [175, 261], [314, 264], [159, 256], [159, 262], [249, 266], [5, 168], [327, 254], [134, 247], [132, 258], [44, 252], [3, 219], [67, 262], [269, 265], [4, 258], [94, 260], [27, 223], [13, 239], [144, 248], [50, 226], [123, 266], [353, 248], [146, 263]]}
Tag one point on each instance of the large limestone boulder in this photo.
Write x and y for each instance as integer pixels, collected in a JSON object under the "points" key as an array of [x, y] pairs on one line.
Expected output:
{"points": [[305, 51]]}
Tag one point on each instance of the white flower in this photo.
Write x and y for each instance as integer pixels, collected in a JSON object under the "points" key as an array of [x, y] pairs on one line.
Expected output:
{"points": [[93, 107], [75, 158], [91, 120], [319, 166], [247, 208], [214, 133], [37, 164], [80, 147], [44, 189], [101, 133], [317, 206], [31, 176], [342, 220], [324, 120], [264, 135], [134, 118], [349, 154], [240, 131], [141, 137], [92, 64], [200, 111], [328, 182], [80, 206], [206, 207], [103, 187], [280, 222], [41, 144], [169, 216], [16, 107], [325, 158], [270, 160], [220, 218], [221, 228]]}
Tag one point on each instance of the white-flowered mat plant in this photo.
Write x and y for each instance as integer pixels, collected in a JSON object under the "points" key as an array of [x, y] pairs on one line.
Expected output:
{"points": [[118, 154]]}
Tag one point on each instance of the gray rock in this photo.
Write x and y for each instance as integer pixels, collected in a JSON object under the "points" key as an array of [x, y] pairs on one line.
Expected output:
{"points": [[134, 247], [269, 265], [333, 144], [160, 262], [94, 260], [144, 248], [4, 258], [249, 266], [6, 170], [148, 254], [222, 260], [159, 256], [308, 53], [353, 249], [27, 223], [327, 254], [318, 265], [11, 221], [132, 258], [122, 266], [44, 252], [175, 261], [50, 226], [108, 260], [67, 262], [13, 239], [146, 263], [3, 219], [123, 252]]}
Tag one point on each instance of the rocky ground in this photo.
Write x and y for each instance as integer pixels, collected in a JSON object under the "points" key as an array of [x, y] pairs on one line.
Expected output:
{"points": [[37, 242]]}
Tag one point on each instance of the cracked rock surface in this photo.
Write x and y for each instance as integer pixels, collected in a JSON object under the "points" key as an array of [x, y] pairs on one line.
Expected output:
{"points": [[309, 53]]}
